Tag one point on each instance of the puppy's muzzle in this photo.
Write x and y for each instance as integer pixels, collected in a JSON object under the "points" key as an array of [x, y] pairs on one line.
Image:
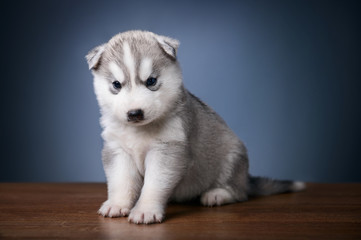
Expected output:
{"points": [[136, 115]]}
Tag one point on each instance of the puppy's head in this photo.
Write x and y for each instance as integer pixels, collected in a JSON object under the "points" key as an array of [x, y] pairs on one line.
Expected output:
{"points": [[137, 77]]}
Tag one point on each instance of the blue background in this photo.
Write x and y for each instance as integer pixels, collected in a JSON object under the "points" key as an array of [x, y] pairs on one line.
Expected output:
{"points": [[285, 75]]}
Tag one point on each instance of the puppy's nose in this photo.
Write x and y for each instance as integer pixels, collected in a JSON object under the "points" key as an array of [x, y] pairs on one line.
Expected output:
{"points": [[136, 115]]}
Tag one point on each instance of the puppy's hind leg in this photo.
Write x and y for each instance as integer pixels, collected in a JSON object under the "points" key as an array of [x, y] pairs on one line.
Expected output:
{"points": [[231, 184], [217, 197]]}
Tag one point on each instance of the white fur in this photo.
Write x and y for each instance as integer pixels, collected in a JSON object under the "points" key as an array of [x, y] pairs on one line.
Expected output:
{"points": [[129, 99], [124, 177], [127, 138], [101, 88], [150, 204], [145, 69], [123, 185], [116, 71], [216, 197]]}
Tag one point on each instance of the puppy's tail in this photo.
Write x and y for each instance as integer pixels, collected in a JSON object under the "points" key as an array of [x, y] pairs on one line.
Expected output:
{"points": [[261, 186]]}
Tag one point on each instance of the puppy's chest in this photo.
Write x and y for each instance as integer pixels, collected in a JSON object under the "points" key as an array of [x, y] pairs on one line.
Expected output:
{"points": [[137, 143]]}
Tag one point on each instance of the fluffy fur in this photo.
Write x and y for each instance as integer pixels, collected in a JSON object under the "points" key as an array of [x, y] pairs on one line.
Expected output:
{"points": [[178, 148]]}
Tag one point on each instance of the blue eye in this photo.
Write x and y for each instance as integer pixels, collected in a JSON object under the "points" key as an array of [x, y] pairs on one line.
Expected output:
{"points": [[151, 82], [117, 85]]}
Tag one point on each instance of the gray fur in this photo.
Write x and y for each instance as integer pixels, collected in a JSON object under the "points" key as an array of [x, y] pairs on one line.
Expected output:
{"points": [[207, 160]]}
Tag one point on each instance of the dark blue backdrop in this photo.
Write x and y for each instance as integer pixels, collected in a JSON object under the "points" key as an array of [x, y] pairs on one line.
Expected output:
{"points": [[285, 75]]}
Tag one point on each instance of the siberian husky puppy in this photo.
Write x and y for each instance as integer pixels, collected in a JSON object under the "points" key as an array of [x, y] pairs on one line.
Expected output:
{"points": [[161, 143]]}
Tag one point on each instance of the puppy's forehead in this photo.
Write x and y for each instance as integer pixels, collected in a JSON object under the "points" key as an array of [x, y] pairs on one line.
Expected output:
{"points": [[129, 51], [139, 43]]}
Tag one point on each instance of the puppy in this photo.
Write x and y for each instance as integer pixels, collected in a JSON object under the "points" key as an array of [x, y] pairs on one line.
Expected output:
{"points": [[161, 143]]}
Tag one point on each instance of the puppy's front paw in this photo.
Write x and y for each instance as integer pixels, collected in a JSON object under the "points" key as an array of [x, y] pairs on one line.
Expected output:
{"points": [[109, 209], [145, 216]]}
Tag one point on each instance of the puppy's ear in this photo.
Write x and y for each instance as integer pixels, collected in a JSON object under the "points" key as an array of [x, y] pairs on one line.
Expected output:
{"points": [[169, 45], [94, 56]]}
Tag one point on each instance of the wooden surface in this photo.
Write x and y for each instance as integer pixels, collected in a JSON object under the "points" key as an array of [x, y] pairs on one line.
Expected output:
{"points": [[65, 211]]}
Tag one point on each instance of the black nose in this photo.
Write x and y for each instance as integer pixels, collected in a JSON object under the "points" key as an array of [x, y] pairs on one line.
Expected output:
{"points": [[136, 115]]}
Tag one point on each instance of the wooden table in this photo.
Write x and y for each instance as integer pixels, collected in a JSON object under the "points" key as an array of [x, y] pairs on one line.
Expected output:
{"points": [[68, 211]]}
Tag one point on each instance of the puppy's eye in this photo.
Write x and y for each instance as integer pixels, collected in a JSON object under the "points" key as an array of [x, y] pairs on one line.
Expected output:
{"points": [[117, 85], [151, 82]]}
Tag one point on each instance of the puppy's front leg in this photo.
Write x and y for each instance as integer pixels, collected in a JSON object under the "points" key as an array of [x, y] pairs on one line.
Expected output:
{"points": [[164, 167], [124, 183]]}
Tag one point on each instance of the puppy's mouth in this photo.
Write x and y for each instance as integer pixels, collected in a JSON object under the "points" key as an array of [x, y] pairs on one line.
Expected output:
{"points": [[135, 120]]}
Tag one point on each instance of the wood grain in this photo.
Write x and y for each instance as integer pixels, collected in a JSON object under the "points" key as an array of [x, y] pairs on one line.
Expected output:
{"points": [[68, 211]]}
